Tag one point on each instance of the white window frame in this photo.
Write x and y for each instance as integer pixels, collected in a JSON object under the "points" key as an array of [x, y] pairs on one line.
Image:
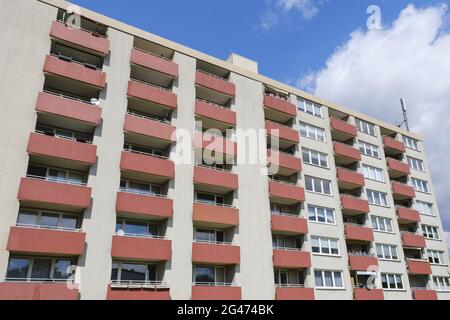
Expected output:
{"points": [[310, 129], [119, 271], [325, 243], [387, 252], [396, 276], [216, 196], [322, 184], [437, 254], [216, 272], [302, 106], [326, 212], [52, 266], [416, 164], [373, 195], [379, 221], [431, 230], [411, 143], [320, 156], [39, 213], [428, 206], [127, 187], [373, 173], [369, 149], [420, 185], [333, 277], [365, 127], [442, 283], [213, 231]]}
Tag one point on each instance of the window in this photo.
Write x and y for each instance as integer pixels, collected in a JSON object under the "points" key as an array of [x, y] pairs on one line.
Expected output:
{"points": [[140, 188], [425, 208], [209, 198], [382, 224], [315, 158], [392, 281], [39, 269], [420, 185], [436, 257], [442, 283], [133, 272], [210, 236], [50, 220], [321, 215], [309, 107], [64, 134], [325, 246], [416, 164], [430, 232], [56, 175], [328, 279], [281, 277], [281, 209], [365, 127], [312, 132], [387, 252], [411, 143], [318, 185], [377, 198], [373, 173], [368, 149], [144, 150], [137, 228], [209, 275]]}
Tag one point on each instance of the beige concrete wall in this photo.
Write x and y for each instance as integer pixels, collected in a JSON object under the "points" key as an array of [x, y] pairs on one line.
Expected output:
{"points": [[104, 178], [24, 30]]}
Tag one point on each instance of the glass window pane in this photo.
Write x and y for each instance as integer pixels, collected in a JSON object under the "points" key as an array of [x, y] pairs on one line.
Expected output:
{"points": [[315, 158], [27, 218], [62, 269], [41, 269], [338, 280], [318, 278], [315, 245], [328, 279], [18, 268], [115, 271], [49, 220], [204, 235], [311, 213], [330, 216], [321, 214], [318, 185], [309, 184], [326, 187], [133, 272], [139, 228], [151, 272], [204, 274], [69, 222]]}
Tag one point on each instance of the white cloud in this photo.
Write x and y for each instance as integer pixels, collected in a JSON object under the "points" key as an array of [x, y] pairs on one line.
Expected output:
{"points": [[278, 9], [409, 59]]}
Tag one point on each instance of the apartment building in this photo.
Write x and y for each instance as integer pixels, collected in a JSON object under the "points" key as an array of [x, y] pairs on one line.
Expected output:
{"points": [[94, 204]]}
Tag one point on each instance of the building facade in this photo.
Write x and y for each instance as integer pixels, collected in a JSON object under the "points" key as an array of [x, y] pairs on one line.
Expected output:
{"points": [[95, 203]]}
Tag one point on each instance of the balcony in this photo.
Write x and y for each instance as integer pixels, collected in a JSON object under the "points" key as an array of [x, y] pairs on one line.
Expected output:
{"points": [[153, 94], [397, 168], [39, 191], [424, 294], [144, 205], [61, 148], [413, 240], [215, 116], [407, 215], [278, 109], [67, 107], [393, 146], [289, 225], [418, 267], [213, 292], [366, 294], [215, 144], [215, 216], [348, 179], [74, 71], [137, 292], [38, 291], [218, 180], [354, 205], [154, 62], [361, 263], [285, 193], [80, 37], [287, 164], [212, 253], [294, 293], [346, 154], [402, 191], [358, 233], [342, 130], [141, 249], [33, 240], [149, 128], [215, 83], [288, 136], [142, 164], [291, 259]]}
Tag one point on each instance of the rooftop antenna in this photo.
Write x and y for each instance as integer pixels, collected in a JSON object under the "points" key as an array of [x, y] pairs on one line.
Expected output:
{"points": [[405, 115]]}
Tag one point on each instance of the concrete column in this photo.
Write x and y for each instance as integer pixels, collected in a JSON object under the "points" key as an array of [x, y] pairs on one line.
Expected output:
{"points": [[180, 229], [25, 43], [104, 177], [256, 268]]}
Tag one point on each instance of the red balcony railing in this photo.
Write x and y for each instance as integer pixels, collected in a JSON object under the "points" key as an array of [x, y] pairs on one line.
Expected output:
{"points": [[398, 166], [148, 92], [280, 105], [152, 61], [393, 144], [212, 111], [288, 193], [418, 267], [289, 224], [146, 164], [144, 205], [343, 127], [217, 215], [283, 132], [423, 294], [361, 262], [366, 294], [38, 291], [137, 292], [407, 215], [213, 177], [212, 292], [44, 241], [294, 293], [43, 145], [413, 240], [215, 83], [354, 204], [141, 249], [291, 259], [350, 178], [80, 37], [42, 191], [68, 107], [358, 233], [285, 161], [346, 151], [401, 190], [150, 128], [74, 71], [212, 253]]}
